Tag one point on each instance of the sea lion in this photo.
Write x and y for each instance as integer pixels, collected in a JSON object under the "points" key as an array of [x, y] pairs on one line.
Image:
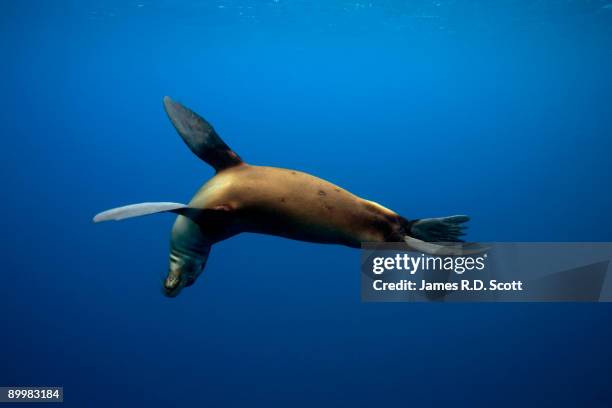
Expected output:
{"points": [[286, 203]]}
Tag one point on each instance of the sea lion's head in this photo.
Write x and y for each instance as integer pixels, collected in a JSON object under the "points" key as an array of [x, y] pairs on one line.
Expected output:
{"points": [[188, 254], [182, 271]]}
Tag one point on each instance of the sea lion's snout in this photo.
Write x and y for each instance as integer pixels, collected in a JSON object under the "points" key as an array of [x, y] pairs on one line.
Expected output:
{"points": [[183, 271], [173, 284]]}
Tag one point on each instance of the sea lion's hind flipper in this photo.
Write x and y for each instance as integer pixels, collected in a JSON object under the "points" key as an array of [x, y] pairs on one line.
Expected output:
{"points": [[444, 249], [200, 136], [137, 210], [443, 229], [441, 236]]}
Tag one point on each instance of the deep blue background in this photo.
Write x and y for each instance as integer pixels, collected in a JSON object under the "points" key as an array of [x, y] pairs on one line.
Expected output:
{"points": [[500, 110]]}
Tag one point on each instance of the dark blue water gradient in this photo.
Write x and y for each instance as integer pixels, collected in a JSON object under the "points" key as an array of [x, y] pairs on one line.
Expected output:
{"points": [[500, 110]]}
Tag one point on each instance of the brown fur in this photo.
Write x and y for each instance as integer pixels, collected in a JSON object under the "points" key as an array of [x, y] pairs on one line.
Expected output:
{"points": [[294, 205]]}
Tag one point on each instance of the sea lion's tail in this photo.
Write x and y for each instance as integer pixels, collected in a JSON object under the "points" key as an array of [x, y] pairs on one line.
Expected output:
{"points": [[441, 236]]}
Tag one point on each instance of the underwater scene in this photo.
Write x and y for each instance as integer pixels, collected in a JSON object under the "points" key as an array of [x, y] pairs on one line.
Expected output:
{"points": [[500, 110]]}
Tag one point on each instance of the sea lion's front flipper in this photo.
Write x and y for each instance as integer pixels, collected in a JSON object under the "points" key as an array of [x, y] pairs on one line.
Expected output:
{"points": [[137, 210], [200, 136]]}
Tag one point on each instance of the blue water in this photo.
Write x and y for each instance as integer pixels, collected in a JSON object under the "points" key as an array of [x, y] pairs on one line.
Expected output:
{"points": [[500, 110]]}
